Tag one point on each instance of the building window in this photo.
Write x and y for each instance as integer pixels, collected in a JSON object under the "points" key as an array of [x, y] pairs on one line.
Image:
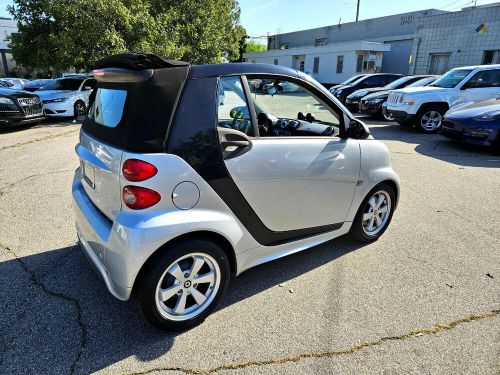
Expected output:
{"points": [[275, 61], [359, 64], [340, 64], [316, 65], [491, 57], [321, 42], [301, 65], [439, 63], [284, 46]]}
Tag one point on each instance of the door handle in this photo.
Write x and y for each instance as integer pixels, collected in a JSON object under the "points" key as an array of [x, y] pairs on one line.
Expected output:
{"points": [[242, 143]]}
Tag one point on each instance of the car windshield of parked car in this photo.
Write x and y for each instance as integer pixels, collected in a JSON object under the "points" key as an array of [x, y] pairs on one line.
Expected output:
{"points": [[451, 79], [68, 84], [350, 80], [401, 82], [422, 82], [37, 83]]}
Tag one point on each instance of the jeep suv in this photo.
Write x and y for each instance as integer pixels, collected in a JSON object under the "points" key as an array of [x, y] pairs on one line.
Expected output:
{"points": [[178, 190], [424, 107]]}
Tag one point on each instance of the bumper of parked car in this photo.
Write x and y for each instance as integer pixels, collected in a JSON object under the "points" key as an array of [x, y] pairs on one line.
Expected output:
{"points": [[369, 107], [59, 109], [482, 136], [352, 105], [399, 116], [20, 119]]}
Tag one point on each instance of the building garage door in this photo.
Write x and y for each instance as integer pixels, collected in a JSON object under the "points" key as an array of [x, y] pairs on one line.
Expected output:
{"points": [[439, 63], [397, 59]]}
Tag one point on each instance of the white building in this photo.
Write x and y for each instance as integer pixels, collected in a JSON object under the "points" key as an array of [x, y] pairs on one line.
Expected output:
{"points": [[330, 63], [7, 27]]}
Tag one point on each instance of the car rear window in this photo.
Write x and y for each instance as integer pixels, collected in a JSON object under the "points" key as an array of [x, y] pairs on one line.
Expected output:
{"points": [[108, 105]]}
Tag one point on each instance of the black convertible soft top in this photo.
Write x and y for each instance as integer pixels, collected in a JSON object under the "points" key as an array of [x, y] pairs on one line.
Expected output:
{"points": [[150, 100]]}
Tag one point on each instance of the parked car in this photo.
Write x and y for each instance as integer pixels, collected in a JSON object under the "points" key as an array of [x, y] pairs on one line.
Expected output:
{"points": [[372, 104], [353, 100], [424, 107], [67, 96], [475, 123], [17, 83], [175, 217], [35, 85], [346, 82], [369, 81], [19, 107], [283, 87]]}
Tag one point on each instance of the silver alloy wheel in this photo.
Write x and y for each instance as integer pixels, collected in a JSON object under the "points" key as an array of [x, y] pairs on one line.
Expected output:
{"points": [[376, 213], [187, 287], [388, 116], [431, 120]]}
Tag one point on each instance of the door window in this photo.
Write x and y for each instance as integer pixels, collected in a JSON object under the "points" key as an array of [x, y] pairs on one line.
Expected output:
{"points": [[233, 112], [285, 108], [485, 78]]}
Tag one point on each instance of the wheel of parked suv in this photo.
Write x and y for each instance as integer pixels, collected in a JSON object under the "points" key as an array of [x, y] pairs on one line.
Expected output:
{"points": [[429, 119], [374, 214], [80, 109], [183, 284], [386, 115]]}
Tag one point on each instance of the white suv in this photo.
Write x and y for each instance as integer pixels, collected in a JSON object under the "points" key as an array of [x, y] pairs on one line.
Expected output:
{"points": [[425, 106]]}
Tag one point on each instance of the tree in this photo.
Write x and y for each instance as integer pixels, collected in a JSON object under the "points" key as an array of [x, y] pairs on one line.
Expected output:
{"points": [[59, 34], [253, 46]]}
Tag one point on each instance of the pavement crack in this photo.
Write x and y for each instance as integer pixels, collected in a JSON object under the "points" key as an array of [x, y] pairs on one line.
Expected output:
{"points": [[11, 185], [440, 327], [79, 320], [51, 136]]}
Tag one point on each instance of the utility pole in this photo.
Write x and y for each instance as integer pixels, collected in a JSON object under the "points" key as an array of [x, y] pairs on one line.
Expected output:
{"points": [[357, 12]]}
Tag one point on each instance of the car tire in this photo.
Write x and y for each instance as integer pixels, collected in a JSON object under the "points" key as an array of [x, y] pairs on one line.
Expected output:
{"points": [[383, 116], [360, 229], [429, 119], [79, 109], [158, 282]]}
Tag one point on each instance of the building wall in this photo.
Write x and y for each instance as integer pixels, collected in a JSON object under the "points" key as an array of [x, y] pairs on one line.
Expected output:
{"points": [[454, 33], [7, 27]]}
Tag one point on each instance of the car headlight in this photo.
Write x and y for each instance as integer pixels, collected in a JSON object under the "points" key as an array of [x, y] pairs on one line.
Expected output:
{"points": [[488, 116], [6, 101], [57, 100], [375, 101], [338, 92]]}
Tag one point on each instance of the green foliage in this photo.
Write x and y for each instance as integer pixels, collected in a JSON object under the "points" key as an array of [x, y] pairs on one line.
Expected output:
{"points": [[253, 46], [59, 34]]}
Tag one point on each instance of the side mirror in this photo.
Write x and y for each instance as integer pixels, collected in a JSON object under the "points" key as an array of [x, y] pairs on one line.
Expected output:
{"points": [[239, 112], [357, 130]]}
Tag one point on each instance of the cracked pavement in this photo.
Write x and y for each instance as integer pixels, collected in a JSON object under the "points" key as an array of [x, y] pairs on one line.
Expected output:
{"points": [[424, 299]]}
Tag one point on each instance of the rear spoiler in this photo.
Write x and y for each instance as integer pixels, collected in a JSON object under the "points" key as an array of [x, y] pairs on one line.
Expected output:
{"points": [[131, 67]]}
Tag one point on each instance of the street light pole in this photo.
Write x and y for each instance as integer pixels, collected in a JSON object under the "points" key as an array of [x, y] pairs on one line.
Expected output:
{"points": [[357, 12]]}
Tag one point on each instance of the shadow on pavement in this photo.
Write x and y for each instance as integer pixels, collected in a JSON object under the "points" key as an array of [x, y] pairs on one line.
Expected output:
{"points": [[437, 146], [45, 123], [58, 316]]}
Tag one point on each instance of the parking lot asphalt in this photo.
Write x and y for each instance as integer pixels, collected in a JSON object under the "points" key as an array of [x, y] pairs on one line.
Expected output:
{"points": [[424, 299]]}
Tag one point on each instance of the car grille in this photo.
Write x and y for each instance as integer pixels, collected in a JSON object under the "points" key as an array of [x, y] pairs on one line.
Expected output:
{"points": [[395, 98], [31, 106]]}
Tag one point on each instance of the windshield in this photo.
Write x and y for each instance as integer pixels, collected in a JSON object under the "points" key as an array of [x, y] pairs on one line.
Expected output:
{"points": [[422, 82], [352, 79], [451, 79], [401, 82], [69, 84], [37, 83]]}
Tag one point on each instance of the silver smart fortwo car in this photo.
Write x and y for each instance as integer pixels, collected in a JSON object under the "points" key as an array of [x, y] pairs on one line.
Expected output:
{"points": [[179, 190]]}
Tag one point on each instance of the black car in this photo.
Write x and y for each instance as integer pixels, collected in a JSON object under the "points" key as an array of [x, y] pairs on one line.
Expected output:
{"points": [[19, 107], [32, 86], [475, 123], [346, 82], [369, 81], [372, 102]]}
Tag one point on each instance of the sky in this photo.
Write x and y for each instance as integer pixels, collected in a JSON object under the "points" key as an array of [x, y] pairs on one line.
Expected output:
{"points": [[260, 17]]}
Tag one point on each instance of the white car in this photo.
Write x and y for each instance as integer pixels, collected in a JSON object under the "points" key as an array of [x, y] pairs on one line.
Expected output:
{"points": [[67, 96], [425, 106], [17, 83]]}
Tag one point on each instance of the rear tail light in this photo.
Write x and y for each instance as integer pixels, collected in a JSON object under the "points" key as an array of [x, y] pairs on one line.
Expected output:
{"points": [[137, 170], [138, 198]]}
